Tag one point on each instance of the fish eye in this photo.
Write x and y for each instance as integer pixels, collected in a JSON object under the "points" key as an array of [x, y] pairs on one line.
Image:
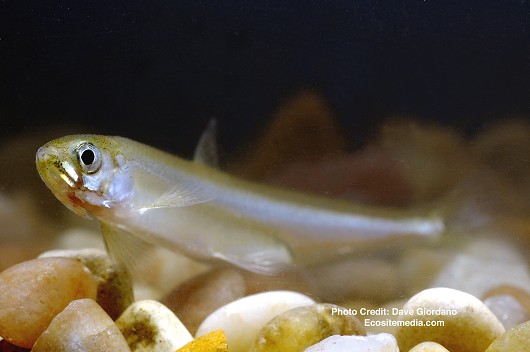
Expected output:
{"points": [[89, 157]]}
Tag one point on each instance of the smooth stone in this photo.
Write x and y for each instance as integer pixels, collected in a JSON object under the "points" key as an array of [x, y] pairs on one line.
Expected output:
{"points": [[374, 343], [484, 264], [32, 293], [301, 327], [516, 292], [508, 310], [242, 319], [150, 326], [193, 300], [380, 323], [115, 287], [429, 347], [472, 328], [80, 238], [163, 271], [83, 326], [295, 280], [214, 341], [7, 347], [352, 278], [418, 266], [516, 339]]}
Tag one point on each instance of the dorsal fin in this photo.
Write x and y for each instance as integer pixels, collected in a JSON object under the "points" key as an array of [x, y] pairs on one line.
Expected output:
{"points": [[206, 151]]}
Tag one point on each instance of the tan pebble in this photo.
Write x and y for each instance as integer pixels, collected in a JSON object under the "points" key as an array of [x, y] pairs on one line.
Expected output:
{"points": [[516, 339], [214, 341], [150, 326], [418, 266], [379, 278], [7, 347], [302, 327], [242, 319], [287, 281], [81, 326], [468, 325], [429, 347], [115, 290], [33, 292], [195, 299], [158, 271]]}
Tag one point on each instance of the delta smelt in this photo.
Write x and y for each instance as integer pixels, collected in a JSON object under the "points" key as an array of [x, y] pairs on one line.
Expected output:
{"points": [[146, 197]]}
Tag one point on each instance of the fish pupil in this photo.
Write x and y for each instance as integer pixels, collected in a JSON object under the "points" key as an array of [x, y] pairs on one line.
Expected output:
{"points": [[87, 157]]}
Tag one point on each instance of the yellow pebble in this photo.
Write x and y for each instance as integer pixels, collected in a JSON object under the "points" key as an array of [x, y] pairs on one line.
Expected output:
{"points": [[514, 340], [214, 341]]}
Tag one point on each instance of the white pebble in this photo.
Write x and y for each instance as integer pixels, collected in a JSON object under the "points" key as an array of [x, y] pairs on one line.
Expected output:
{"points": [[80, 238], [373, 343], [149, 326], [508, 310], [484, 265], [242, 319]]}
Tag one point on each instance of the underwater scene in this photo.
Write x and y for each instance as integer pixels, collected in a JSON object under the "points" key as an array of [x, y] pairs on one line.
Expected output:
{"points": [[242, 177]]}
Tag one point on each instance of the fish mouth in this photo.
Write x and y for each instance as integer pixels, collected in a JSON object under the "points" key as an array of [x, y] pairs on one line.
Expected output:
{"points": [[50, 166]]}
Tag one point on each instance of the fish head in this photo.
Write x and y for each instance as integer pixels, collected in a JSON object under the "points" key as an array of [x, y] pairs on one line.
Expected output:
{"points": [[86, 173]]}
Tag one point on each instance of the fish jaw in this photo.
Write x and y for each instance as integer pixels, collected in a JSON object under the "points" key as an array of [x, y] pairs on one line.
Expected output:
{"points": [[60, 177]]}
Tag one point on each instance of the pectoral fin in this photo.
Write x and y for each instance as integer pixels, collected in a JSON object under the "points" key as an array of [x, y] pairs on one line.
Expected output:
{"points": [[154, 191], [128, 249], [179, 196]]}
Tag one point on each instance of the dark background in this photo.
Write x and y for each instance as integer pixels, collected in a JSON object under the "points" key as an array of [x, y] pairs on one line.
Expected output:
{"points": [[157, 70]]}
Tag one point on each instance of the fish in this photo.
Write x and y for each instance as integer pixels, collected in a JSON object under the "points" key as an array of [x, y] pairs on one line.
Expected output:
{"points": [[144, 197]]}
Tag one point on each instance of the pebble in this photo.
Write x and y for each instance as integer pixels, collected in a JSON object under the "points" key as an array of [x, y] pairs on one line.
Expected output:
{"points": [[115, 290], [214, 341], [522, 296], [374, 278], [508, 310], [32, 293], [150, 326], [418, 266], [159, 275], [373, 343], [484, 264], [76, 237], [468, 325], [429, 347], [195, 299], [516, 339], [242, 319], [82, 326], [7, 347], [295, 280], [301, 327]]}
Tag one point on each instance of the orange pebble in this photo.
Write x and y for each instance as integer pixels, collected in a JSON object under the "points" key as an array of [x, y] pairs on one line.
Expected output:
{"points": [[214, 341]]}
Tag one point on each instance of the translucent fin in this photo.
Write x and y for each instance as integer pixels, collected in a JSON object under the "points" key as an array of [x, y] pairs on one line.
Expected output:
{"points": [[129, 250], [178, 196], [156, 192], [266, 262], [206, 151]]}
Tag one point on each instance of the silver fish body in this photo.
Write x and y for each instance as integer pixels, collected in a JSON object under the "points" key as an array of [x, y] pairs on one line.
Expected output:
{"points": [[205, 213]]}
